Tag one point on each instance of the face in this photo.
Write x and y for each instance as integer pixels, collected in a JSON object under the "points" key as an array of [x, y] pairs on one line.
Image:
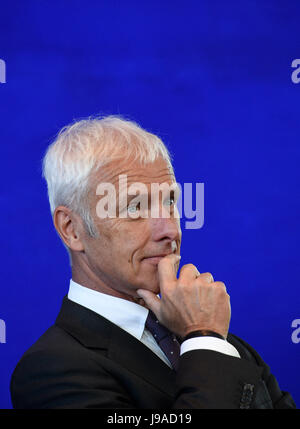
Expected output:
{"points": [[125, 255]]}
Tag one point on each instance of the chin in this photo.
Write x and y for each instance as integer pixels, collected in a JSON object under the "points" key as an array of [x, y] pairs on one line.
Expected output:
{"points": [[150, 284]]}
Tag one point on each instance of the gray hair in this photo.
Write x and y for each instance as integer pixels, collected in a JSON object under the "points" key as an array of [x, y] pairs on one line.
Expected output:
{"points": [[82, 147]]}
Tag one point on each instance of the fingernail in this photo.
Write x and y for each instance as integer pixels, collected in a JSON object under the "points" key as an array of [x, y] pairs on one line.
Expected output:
{"points": [[173, 246], [177, 259]]}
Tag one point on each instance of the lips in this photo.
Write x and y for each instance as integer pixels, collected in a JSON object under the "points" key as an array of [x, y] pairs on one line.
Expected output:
{"points": [[156, 258]]}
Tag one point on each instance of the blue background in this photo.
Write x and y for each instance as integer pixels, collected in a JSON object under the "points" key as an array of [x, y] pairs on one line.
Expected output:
{"points": [[213, 79]]}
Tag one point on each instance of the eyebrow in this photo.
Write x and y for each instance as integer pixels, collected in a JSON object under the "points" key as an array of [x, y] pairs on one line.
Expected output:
{"points": [[131, 197]]}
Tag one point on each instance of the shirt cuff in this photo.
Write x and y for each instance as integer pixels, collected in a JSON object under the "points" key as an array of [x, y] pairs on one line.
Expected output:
{"points": [[209, 343]]}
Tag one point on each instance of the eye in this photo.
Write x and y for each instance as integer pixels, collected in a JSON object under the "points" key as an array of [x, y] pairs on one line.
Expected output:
{"points": [[133, 208], [170, 201]]}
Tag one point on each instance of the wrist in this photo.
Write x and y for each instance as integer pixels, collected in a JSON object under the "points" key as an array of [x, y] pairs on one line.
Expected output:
{"points": [[203, 333]]}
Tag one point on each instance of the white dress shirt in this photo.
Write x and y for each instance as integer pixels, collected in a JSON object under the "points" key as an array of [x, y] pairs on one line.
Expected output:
{"points": [[132, 318]]}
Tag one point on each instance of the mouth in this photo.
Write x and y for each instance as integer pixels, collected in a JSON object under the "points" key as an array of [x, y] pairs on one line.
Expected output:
{"points": [[154, 260]]}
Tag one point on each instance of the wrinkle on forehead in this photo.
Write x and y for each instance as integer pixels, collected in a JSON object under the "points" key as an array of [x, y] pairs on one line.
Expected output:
{"points": [[134, 172]]}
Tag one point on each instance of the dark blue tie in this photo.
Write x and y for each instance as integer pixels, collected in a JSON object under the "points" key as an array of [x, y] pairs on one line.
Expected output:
{"points": [[164, 338]]}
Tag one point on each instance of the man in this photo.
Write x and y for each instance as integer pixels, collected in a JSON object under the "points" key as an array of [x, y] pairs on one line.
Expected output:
{"points": [[109, 347]]}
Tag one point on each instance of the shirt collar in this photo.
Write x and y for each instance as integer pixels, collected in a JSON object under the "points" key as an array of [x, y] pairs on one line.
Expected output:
{"points": [[126, 314]]}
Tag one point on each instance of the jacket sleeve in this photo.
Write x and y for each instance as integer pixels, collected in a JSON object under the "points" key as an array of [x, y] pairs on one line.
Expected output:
{"points": [[279, 399], [209, 379]]}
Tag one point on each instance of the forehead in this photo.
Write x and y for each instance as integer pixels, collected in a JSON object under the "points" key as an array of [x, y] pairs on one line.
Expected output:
{"points": [[157, 172]]}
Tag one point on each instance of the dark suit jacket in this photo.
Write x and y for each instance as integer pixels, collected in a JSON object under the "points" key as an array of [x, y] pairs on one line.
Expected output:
{"points": [[85, 361]]}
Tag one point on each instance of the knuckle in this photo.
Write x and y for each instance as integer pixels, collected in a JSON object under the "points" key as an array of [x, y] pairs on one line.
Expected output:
{"points": [[185, 285], [221, 287], [208, 277], [188, 267], [205, 286], [188, 272]]}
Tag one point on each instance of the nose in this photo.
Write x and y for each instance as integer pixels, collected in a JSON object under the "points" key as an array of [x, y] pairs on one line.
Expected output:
{"points": [[165, 229]]}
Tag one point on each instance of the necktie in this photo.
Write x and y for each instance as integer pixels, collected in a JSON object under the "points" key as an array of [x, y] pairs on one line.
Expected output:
{"points": [[164, 338]]}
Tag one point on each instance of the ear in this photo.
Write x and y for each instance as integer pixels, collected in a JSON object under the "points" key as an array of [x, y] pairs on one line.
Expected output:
{"points": [[69, 227]]}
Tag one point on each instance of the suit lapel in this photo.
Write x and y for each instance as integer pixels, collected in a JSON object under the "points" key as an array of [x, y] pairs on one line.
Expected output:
{"points": [[95, 332], [133, 355]]}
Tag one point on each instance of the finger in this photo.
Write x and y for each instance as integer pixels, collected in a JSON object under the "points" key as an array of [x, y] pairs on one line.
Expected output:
{"points": [[167, 269], [139, 301], [188, 273], [221, 285], [151, 300], [206, 277]]}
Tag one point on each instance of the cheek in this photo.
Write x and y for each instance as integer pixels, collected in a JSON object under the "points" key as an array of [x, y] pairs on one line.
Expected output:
{"points": [[123, 241], [132, 240]]}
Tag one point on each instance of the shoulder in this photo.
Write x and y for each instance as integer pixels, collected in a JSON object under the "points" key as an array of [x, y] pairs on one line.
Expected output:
{"points": [[55, 352], [54, 365], [54, 340]]}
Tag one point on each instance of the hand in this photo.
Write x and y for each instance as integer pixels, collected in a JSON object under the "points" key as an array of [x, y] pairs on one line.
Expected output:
{"points": [[192, 302]]}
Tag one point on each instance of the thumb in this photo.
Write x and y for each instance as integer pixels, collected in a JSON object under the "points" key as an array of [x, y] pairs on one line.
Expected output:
{"points": [[151, 300]]}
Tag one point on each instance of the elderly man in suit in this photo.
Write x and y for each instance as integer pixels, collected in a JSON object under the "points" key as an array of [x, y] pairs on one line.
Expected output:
{"points": [[132, 331]]}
